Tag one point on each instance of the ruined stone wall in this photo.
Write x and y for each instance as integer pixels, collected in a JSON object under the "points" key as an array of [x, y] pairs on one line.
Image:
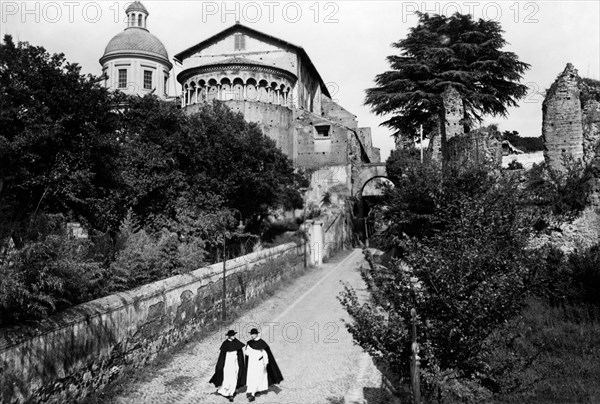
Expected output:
{"points": [[336, 113], [451, 127], [314, 150], [454, 111], [480, 146], [562, 129], [87, 346], [591, 148], [591, 129]]}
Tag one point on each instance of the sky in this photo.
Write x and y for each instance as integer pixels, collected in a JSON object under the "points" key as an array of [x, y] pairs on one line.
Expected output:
{"points": [[347, 41]]}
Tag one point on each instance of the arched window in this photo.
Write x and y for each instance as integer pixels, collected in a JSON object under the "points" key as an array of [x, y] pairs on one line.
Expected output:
{"points": [[251, 91], [140, 21], [238, 89], [227, 92], [273, 97], [202, 91], [193, 98], [263, 93], [213, 90]]}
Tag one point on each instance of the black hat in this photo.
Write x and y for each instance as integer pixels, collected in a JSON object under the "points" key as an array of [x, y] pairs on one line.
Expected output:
{"points": [[230, 333], [254, 331]]}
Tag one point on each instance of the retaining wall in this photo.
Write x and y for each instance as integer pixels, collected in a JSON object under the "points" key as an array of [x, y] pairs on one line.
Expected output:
{"points": [[83, 348]]}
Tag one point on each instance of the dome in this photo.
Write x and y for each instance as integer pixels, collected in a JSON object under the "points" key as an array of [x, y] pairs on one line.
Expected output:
{"points": [[135, 41], [136, 6]]}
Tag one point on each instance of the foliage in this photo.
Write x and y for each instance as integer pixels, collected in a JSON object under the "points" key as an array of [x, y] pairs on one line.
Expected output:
{"points": [[51, 272], [590, 90], [561, 195], [462, 236], [187, 166], [570, 279], [525, 144], [515, 165], [442, 52], [72, 150], [277, 229], [563, 344], [142, 258], [57, 142]]}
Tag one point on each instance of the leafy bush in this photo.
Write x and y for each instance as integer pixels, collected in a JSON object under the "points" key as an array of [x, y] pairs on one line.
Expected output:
{"points": [[279, 228], [515, 165], [462, 236], [570, 279], [47, 275], [144, 258], [562, 195]]}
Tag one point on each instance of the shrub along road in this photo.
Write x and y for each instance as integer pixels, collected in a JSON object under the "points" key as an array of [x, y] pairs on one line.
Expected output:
{"points": [[303, 324]]}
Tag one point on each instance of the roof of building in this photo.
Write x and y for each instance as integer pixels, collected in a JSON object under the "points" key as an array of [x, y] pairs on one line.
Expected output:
{"points": [[239, 27], [136, 6], [139, 41]]}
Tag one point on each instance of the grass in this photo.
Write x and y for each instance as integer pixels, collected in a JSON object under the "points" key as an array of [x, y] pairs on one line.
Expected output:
{"points": [[568, 367]]}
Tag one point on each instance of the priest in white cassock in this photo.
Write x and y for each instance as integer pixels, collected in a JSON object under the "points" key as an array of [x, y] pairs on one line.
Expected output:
{"points": [[261, 367], [230, 369]]}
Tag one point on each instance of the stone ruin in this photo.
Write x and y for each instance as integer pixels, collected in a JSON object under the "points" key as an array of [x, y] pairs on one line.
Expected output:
{"points": [[571, 129], [571, 126], [475, 147], [562, 130]]}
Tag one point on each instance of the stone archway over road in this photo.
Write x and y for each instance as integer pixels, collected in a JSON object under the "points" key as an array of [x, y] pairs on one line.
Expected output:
{"points": [[366, 173]]}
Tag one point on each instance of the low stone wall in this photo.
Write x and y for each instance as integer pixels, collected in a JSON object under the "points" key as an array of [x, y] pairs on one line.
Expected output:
{"points": [[84, 348]]}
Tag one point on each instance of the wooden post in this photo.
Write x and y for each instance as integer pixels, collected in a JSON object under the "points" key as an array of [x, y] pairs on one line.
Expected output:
{"points": [[415, 361]]}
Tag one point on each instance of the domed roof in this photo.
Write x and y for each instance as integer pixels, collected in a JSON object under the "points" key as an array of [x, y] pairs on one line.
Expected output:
{"points": [[136, 41], [136, 6]]}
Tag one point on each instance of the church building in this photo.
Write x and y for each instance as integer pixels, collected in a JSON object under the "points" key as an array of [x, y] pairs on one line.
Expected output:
{"points": [[270, 81], [135, 61]]}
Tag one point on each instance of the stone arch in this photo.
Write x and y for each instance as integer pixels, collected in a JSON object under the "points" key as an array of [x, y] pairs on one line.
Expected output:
{"points": [[263, 91], [201, 91], [226, 89], [251, 90], [366, 173], [367, 182], [282, 100], [273, 93], [213, 90], [193, 93], [238, 89]]}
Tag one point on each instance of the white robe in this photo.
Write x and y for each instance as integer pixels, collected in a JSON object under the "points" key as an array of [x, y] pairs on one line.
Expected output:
{"points": [[256, 379], [230, 374]]}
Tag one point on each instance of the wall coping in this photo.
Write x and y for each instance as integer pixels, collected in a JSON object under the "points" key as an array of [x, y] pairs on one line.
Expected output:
{"points": [[84, 312]]}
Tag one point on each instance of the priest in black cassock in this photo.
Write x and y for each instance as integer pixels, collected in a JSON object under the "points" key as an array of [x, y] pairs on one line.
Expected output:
{"points": [[261, 368], [230, 370]]}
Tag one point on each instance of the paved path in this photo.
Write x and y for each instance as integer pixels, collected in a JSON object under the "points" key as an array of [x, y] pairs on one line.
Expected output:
{"points": [[303, 325]]}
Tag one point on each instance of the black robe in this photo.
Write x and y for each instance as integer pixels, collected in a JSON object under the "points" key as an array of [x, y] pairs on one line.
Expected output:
{"points": [[273, 373], [230, 346]]}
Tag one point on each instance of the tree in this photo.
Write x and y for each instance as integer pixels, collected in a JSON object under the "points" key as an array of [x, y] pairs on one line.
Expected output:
{"points": [[462, 262], [181, 168], [57, 142], [443, 52]]}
